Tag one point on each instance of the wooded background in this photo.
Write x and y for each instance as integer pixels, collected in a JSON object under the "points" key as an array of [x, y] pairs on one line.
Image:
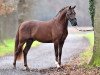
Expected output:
{"points": [[11, 13]]}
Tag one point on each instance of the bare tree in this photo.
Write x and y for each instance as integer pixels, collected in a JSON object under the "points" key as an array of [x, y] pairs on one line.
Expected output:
{"points": [[21, 11]]}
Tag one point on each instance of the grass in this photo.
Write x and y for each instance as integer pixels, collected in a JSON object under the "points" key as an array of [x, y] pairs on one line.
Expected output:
{"points": [[90, 37], [86, 56], [7, 47]]}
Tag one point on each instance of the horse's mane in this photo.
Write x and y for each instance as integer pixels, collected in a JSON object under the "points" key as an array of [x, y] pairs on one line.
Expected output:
{"points": [[61, 10]]}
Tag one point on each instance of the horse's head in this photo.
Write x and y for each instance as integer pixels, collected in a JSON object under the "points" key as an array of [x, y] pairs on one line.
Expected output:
{"points": [[70, 14]]}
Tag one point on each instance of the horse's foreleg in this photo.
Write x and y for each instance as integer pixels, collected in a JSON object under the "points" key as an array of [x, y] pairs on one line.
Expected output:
{"points": [[27, 47], [56, 53], [60, 52]]}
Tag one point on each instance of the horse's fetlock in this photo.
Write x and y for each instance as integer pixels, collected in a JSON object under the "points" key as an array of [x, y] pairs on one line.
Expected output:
{"points": [[14, 64], [25, 65]]}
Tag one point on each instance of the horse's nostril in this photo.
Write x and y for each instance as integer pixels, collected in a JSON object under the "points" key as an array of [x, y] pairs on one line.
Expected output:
{"points": [[76, 24]]}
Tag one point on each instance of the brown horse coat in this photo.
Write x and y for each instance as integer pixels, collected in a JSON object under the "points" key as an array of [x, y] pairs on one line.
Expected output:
{"points": [[52, 31]]}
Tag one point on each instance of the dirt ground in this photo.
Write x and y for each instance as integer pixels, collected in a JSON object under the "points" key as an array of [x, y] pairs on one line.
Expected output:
{"points": [[72, 68]]}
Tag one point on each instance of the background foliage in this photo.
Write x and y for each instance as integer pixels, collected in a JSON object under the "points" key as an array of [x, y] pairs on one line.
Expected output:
{"points": [[92, 10]]}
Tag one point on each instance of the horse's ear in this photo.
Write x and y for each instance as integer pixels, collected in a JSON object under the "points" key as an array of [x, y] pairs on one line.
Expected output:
{"points": [[73, 7], [69, 7]]}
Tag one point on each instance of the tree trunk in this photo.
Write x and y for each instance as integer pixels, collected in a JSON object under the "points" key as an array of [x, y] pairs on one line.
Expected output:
{"points": [[21, 11], [95, 61]]}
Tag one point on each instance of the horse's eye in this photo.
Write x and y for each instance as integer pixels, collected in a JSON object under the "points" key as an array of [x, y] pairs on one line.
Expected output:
{"points": [[74, 13], [70, 14]]}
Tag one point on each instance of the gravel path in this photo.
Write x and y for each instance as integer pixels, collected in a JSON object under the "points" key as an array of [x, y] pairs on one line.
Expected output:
{"points": [[42, 57]]}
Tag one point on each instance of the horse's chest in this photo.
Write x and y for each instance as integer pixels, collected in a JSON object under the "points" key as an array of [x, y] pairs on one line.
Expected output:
{"points": [[60, 35], [64, 35]]}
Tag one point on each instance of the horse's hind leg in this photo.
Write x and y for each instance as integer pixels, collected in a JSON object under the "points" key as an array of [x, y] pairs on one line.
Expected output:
{"points": [[27, 47], [18, 52]]}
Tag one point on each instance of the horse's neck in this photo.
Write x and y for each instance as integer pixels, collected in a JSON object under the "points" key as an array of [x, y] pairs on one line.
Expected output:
{"points": [[61, 18]]}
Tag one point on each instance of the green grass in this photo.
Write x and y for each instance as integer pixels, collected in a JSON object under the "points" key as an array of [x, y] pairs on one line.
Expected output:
{"points": [[7, 47], [90, 37], [86, 56]]}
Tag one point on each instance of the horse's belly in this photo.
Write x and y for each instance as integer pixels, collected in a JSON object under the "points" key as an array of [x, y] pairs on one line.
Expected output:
{"points": [[45, 41], [45, 38]]}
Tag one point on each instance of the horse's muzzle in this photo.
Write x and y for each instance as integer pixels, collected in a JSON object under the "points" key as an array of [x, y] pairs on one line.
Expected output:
{"points": [[73, 22]]}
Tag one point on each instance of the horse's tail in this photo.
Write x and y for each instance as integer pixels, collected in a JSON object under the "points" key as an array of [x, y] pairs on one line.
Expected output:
{"points": [[17, 52]]}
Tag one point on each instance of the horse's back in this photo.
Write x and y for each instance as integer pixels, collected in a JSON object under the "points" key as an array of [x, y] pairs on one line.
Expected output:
{"points": [[39, 30]]}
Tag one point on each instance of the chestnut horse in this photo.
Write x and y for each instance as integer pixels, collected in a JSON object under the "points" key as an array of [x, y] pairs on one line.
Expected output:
{"points": [[52, 31]]}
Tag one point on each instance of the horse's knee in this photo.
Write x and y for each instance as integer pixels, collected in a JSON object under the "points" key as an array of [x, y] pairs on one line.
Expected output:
{"points": [[25, 52]]}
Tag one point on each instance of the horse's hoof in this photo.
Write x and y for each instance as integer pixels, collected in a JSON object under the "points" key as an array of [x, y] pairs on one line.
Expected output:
{"points": [[14, 67], [27, 69], [58, 66]]}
